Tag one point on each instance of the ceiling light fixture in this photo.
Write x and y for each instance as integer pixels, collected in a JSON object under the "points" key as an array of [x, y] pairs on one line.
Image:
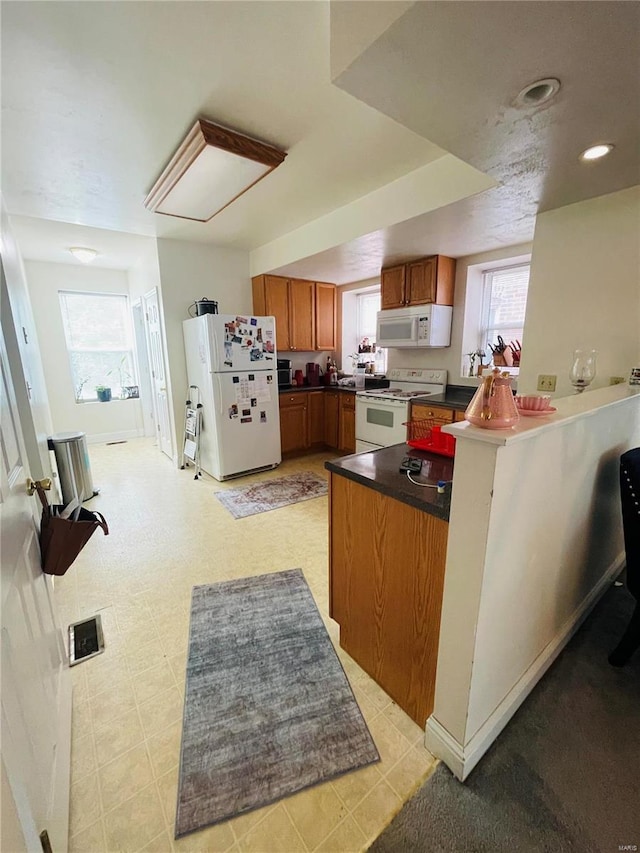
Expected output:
{"points": [[210, 169], [82, 254], [537, 93], [595, 152]]}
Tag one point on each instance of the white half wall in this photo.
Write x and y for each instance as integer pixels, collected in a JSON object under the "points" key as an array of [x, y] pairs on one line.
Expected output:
{"points": [[535, 537], [188, 272], [117, 419], [584, 290]]}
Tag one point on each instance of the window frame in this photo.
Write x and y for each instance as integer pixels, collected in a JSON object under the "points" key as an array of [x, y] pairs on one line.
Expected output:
{"points": [[128, 351], [484, 325]]}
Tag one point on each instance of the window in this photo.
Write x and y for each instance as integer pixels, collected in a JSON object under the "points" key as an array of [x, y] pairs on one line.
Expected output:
{"points": [[503, 305], [367, 307], [97, 328]]}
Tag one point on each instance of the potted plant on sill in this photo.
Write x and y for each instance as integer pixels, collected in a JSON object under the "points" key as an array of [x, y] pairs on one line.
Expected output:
{"points": [[104, 393]]}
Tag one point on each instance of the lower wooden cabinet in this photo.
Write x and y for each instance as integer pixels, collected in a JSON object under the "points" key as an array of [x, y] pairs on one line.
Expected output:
{"points": [[313, 419], [436, 413], [331, 415], [347, 423], [385, 591], [294, 422], [316, 418]]}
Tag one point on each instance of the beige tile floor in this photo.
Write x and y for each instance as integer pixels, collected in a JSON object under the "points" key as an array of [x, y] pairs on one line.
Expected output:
{"points": [[167, 534]]}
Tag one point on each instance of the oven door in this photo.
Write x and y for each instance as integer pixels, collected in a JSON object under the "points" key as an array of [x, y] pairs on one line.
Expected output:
{"points": [[381, 422]]}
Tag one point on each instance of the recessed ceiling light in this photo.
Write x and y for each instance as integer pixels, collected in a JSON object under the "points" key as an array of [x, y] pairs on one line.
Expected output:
{"points": [[537, 93], [82, 254], [597, 151]]}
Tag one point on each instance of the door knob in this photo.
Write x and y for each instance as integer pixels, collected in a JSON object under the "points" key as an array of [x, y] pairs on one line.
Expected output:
{"points": [[33, 484]]}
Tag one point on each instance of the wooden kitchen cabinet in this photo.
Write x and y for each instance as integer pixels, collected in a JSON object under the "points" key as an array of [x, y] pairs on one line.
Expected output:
{"points": [[316, 418], [347, 422], [392, 287], [386, 591], [331, 416], [301, 315], [325, 313], [458, 416], [419, 282], [294, 422], [440, 414], [305, 311]]}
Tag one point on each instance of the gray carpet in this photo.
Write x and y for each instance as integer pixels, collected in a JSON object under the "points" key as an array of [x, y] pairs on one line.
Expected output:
{"points": [[268, 708], [563, 776]]}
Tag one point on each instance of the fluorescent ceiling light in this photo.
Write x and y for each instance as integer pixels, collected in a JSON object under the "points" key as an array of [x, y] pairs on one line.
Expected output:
{"points": [[83, 254], [597, 151], [210, 169]]}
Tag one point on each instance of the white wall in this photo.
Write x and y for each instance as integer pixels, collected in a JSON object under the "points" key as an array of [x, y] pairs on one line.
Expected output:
{"points": [[535, 537], [188, 272], [466, 301], [100, 421], [584, 290]]}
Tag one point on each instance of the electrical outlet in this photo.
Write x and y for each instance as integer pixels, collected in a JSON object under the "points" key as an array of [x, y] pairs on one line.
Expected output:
{"points": [[546, 382], [616, 380]]}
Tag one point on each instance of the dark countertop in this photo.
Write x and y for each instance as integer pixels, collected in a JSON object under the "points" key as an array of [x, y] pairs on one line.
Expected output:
{"points": [[378, 470], [455, 397], [369, 383]]}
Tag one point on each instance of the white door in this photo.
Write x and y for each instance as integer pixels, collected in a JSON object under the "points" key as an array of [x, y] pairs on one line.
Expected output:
{"points": [[144, 371], [158, 371], [36, 687]]}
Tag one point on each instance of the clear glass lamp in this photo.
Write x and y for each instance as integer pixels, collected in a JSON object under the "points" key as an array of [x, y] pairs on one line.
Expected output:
{"points": [[583, 369]]}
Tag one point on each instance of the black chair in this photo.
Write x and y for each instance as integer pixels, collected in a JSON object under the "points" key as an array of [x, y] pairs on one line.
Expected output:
{"points": [[630, 497]]}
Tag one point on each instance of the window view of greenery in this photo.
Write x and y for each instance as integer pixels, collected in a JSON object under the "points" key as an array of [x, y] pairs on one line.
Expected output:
{"points": [[98, 333]]}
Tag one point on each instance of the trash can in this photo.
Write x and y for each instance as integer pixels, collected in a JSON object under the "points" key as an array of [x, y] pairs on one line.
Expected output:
{"points": [[72, 461]]}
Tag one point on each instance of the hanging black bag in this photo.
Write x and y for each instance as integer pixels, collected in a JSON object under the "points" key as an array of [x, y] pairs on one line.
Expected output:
{"points": [[62, 539]]}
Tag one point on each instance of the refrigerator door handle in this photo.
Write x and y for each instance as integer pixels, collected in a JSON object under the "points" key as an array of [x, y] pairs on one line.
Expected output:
{"points": [[214, 353], [219, 394]]}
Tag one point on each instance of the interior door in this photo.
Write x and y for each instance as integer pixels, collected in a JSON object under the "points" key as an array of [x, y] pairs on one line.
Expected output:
{"points": [[158, 371], [36, 687]]}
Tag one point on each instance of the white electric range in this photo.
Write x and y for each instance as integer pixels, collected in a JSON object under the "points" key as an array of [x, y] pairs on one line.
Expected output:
{"points": [[381, 414]]}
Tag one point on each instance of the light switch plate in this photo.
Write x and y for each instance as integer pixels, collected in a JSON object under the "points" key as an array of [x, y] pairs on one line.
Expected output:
{"points": [[546, 382]]}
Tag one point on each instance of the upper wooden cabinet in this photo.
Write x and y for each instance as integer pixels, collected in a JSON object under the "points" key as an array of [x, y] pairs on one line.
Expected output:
{"points": [[305, 311], [326, 301], [419, 282]]}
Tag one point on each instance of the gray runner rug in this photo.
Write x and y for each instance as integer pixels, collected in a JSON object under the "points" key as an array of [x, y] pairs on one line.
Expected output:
{"points": [[268, 708]]}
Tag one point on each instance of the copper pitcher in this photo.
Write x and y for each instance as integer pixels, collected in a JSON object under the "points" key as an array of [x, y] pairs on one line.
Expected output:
{"points": [[493, 406]]}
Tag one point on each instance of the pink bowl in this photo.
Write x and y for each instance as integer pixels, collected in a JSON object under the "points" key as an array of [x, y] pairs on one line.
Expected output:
{"points": [[533, 402]]}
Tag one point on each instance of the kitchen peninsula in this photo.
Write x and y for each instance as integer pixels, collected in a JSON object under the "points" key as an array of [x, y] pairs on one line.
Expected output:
{"points": [[387, 551], [486, 588]]}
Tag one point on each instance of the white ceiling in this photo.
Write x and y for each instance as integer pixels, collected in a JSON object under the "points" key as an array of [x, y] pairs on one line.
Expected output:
{"points": [[97, 95]]}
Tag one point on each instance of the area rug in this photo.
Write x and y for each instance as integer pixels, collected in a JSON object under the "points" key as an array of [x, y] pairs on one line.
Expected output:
{"points": [[272, 494], [268, 708]]}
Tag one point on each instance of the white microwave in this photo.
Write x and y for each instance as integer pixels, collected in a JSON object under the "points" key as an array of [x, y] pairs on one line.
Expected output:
{"points": [[414, 326]]}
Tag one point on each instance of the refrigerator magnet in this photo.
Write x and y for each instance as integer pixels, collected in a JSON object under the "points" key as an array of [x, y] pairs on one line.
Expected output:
{"points": [[241, 321], [254, 401], [254, 321], [246, 412], [245, 420], [263, 417]]}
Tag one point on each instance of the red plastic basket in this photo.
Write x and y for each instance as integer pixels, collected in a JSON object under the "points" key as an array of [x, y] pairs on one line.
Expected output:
{"points": [[425, 434]]}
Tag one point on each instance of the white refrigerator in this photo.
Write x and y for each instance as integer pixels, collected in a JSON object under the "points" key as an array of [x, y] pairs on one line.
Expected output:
{"points": [[232, 361]]}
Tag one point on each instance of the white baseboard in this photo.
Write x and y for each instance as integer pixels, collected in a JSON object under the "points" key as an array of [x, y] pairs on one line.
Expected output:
{"points": [[122, 435], [461, 759]]}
